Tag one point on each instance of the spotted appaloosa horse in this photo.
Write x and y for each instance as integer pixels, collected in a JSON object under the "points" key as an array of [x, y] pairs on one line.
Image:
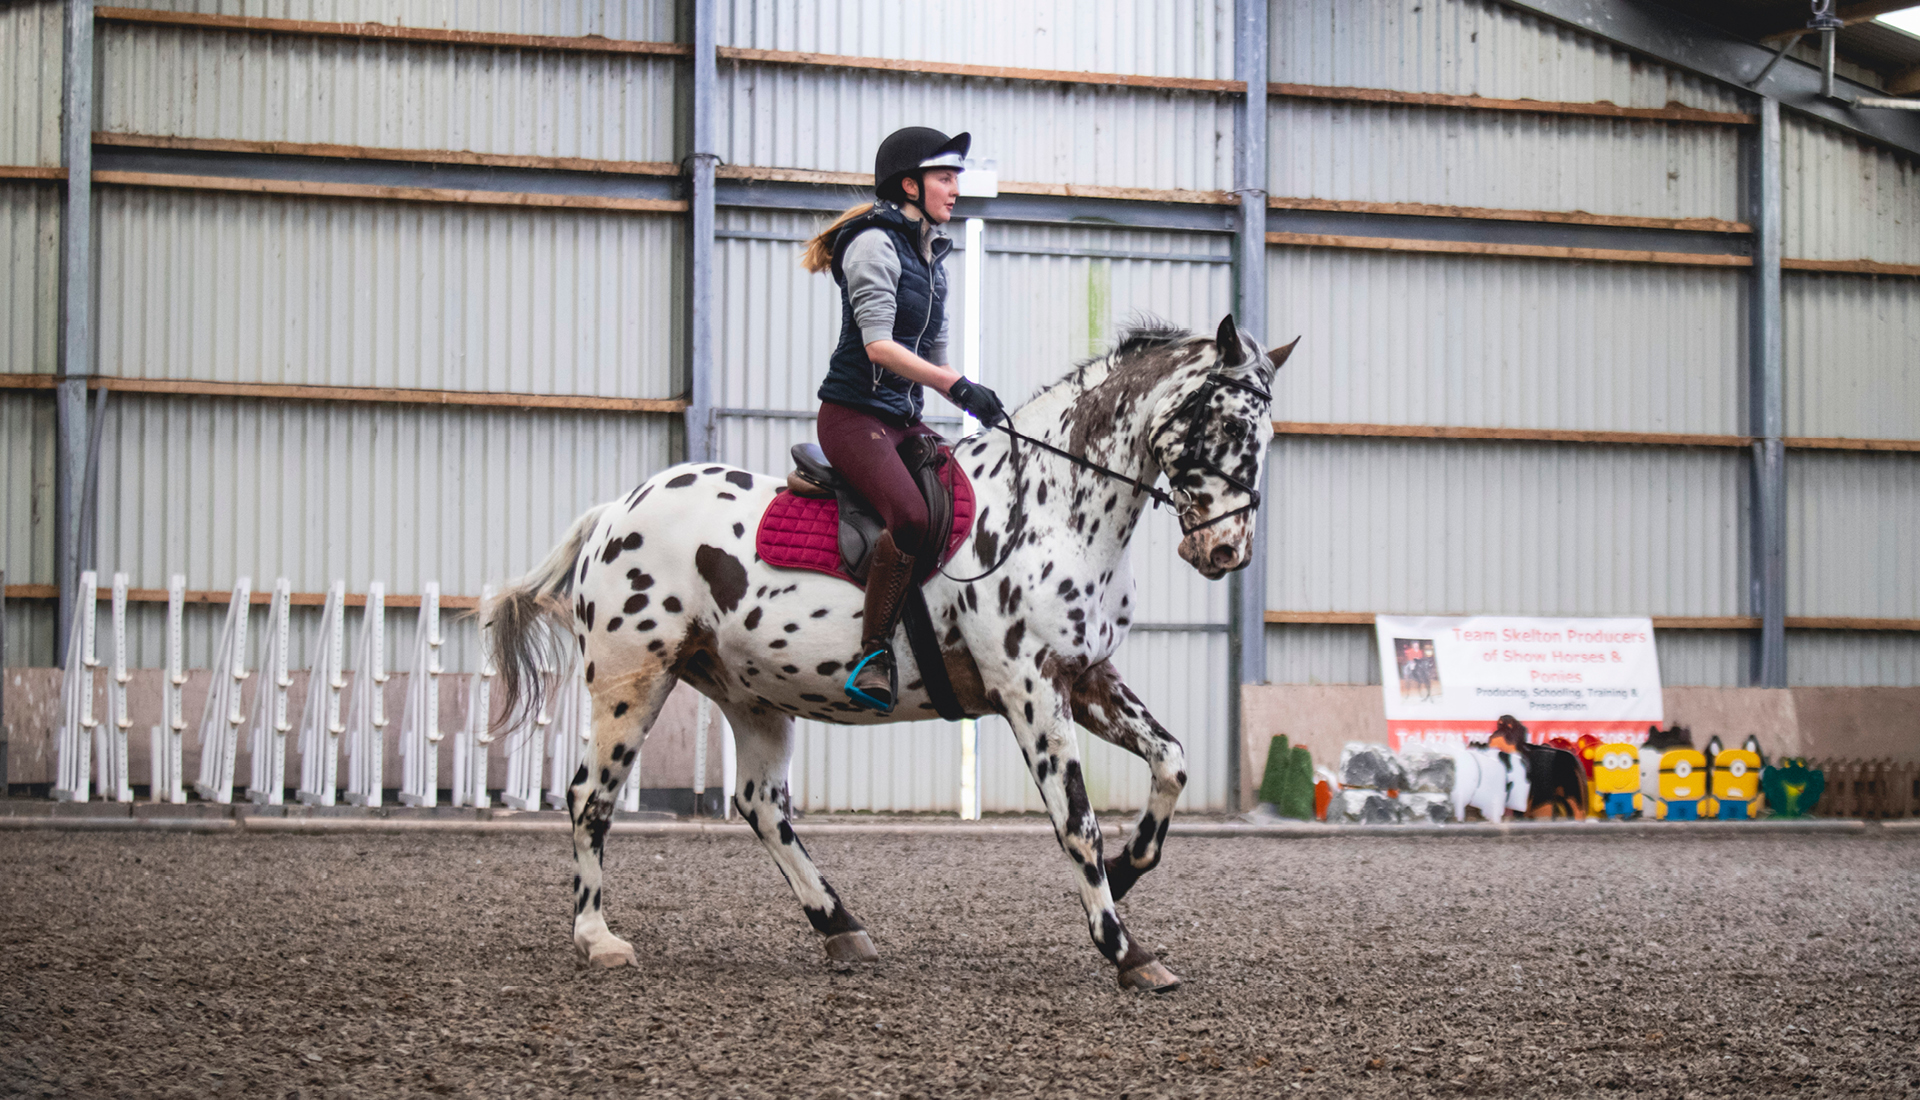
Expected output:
{"points": [[664, 585]]}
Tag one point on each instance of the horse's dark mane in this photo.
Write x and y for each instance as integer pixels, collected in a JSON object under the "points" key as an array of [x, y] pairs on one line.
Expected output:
{"points": [[1143, 332]]}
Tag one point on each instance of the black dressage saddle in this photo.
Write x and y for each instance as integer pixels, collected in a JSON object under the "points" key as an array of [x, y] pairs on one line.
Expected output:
{"points": [[860, 524]]}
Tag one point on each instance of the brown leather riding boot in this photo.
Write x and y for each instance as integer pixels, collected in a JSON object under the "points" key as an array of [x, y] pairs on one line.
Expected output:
{"points": [[875, 682]]}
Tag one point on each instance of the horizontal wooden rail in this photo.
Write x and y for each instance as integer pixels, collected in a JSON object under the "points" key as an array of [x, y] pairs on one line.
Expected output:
{"points": [[381, 395], [1522, 435], [988, 72], [376, 191], [31, 172], [1671, 113], [367, 152], [1569, 435], [223, 596], [1525, 251], [1852, 267], [1482, 213], [591, 43], [1660, 622]]}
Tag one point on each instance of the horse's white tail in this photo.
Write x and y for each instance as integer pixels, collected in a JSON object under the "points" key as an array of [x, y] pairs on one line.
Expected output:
{"points": [[531, 620]]}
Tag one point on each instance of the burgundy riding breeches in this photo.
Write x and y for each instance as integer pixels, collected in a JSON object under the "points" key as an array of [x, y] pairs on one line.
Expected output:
{"points": [[862, 449]]}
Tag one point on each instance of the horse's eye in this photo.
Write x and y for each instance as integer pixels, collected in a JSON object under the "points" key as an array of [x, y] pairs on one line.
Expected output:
{"points": [[1236, 430]]}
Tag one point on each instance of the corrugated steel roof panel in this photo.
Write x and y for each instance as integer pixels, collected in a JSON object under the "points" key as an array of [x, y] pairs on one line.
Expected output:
{"points": [[181, 82], [32, 47], [1502, 159], [1474, 341], [1470, 47], [1438, 527], [642, 20], [1852, 346], [30, 280], [833, 119], [219, 488], [1846, 199], [1853, 534], [346, 292], [1193, 38]]}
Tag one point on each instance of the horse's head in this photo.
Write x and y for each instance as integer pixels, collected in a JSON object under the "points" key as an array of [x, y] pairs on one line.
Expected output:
{"points": [[1210, 434]]}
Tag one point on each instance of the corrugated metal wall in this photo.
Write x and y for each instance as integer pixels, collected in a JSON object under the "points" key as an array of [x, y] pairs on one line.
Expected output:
{"points": [[31, 36], [175, 81], [1846, 199], [832, 119], [1468, 47], [642, 20], [1473, 341], [351, 292]]}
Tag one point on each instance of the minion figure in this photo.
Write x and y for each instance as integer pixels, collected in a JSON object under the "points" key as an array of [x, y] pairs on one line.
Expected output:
{"points": [[1616, 779], [1683, 784], [1736, 779]]}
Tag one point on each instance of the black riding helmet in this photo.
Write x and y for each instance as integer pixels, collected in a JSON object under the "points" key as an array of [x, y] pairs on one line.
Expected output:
{"points": [[913, 150]]}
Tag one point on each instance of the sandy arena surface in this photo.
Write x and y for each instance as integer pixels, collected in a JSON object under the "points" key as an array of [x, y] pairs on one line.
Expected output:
{"points": [[158, 965]]}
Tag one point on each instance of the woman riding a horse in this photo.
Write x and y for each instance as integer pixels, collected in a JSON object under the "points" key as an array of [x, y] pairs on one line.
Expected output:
{"points": [[666, 585], [887, 258]]}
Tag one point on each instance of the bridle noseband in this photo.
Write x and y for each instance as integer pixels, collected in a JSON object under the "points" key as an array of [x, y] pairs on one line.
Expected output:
{"points": [[1199, 405]]}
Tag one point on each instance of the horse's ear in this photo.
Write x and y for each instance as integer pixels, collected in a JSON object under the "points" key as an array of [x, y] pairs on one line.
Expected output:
{"points": [[1278, 356], [1232, 351]]}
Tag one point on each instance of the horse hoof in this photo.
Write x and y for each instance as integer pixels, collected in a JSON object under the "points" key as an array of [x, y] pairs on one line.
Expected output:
{"points": [[612, 958], [851, 947], [1154, 977]]}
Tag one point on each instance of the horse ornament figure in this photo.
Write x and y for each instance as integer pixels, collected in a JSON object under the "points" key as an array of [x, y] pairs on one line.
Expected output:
{"points": [[664, 585]]}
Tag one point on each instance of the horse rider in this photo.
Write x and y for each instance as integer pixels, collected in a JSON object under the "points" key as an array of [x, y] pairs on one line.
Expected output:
{"points": [[886, 257]]}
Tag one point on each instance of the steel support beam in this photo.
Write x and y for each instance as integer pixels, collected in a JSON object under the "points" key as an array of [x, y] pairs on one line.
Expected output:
{"points": [[1667, 36], [76, 310], [1247, 588], [1767, 381], [700, 224]]}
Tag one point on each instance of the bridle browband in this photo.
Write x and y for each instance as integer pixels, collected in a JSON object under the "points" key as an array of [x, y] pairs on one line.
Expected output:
{"points": [[1197, 406]]}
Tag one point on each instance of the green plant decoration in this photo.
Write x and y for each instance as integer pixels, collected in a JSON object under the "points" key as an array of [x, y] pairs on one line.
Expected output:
{"points": [[1296, 792], [1792, 788], [1273, 782]]}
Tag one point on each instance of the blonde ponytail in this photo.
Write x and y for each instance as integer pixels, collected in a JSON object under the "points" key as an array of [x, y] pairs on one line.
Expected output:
{"points": [[819, 254]]}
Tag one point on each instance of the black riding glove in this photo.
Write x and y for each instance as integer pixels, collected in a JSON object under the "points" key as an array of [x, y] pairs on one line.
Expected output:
{"points": [[977, 399]]}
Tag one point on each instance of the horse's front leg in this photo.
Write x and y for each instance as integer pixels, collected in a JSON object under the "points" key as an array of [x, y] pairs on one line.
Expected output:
{"points": [[1041, 723], [624, 709], [1108, 709]]}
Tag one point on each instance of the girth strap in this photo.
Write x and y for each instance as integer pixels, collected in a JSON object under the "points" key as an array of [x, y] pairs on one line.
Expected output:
{"points": [[918, 622]]}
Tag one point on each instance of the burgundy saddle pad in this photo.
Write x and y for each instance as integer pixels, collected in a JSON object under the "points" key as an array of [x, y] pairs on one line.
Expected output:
{"points": [[799, 532]]}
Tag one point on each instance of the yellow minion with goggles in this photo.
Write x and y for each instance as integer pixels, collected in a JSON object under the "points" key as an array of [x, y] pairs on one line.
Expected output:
{"points": [[1735, 784], [1683, 784], [1616, 779]]}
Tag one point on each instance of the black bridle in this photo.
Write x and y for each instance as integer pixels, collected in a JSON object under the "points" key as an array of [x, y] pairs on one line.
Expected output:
{"points": [[1198, 409]]}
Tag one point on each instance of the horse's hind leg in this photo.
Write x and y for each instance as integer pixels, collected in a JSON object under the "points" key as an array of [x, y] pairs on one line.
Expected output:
{"points": [[1104, 706], [764, 748], [624, 709]]}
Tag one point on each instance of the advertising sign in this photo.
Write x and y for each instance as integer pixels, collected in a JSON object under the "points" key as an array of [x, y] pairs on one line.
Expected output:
{"points": [[1446, 681]]}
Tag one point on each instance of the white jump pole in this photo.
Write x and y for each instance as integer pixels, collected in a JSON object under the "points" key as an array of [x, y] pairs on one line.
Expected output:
{"points": [[168, 735], [73, 764], [225, 712], [367, 712], [110, 737], [320, 727], [470, 744], [420, 724], [267, 734]]}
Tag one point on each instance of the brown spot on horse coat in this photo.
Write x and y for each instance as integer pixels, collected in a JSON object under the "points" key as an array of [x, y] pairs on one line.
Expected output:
{"points": [[724, 575]]}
